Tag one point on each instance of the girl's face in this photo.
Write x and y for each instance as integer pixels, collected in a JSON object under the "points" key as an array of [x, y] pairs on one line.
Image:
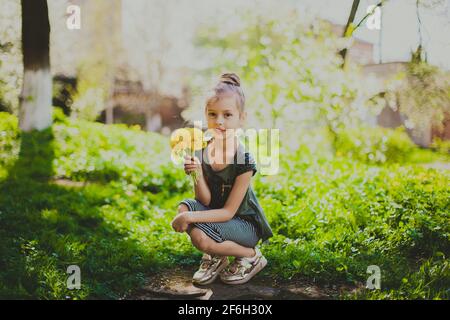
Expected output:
{"points": [[224, 115]]}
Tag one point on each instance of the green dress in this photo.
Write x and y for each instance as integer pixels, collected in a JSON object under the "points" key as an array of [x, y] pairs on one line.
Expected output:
{"points": [[221, 182]]}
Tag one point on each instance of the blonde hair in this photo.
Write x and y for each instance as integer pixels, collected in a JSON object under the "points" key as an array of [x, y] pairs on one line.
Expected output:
{"points": [[228, 83]]}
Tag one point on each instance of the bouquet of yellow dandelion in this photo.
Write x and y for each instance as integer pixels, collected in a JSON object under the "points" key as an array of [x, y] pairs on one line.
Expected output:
{"points": [[185, 141]]}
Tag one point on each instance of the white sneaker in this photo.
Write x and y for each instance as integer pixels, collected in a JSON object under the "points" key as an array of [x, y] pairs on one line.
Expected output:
{"points": [[209, 269], [241, 270]]}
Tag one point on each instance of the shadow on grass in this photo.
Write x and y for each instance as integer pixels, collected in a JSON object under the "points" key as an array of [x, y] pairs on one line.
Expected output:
{"points": [[44, 228]]}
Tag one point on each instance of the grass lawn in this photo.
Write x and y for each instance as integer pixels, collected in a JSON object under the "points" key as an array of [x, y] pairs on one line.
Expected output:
{"points": [[102, 197]]}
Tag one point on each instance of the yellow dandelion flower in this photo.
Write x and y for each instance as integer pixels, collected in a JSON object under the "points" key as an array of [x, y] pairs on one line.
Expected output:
{"points": [[185, 141]]}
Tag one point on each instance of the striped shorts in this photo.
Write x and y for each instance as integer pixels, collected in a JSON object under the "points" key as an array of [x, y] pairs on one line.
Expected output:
{"points": [[237, 229]]}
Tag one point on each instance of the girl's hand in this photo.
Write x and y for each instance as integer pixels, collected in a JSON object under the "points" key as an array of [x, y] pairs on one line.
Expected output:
{"points": [[181, 222], [192, 164]]}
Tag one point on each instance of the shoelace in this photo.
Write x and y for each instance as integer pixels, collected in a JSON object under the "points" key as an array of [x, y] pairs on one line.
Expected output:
{"points": [[239, 266], [206, 263]]}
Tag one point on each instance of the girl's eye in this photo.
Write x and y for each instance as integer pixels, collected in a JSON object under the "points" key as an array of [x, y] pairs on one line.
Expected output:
{"points": [[211, 115], [228, 115]]}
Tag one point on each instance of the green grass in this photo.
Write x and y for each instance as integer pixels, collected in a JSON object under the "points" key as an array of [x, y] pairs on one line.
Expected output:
{"points": [[102, 197], [339, 217]]}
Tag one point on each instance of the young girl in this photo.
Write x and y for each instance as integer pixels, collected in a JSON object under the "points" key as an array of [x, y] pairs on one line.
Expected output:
{"points": [[225, 218]]}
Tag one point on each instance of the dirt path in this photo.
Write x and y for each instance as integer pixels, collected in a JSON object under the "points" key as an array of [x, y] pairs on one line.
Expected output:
{"points": [[176, 284]]}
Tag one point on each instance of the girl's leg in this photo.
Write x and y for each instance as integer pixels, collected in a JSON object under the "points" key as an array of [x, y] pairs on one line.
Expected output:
{"points": [[205, 244], [227, 248], [182, 208]]}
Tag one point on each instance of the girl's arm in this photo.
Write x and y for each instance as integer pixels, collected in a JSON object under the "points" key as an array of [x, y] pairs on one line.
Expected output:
{"points": [[202, 192], [234, 200]]}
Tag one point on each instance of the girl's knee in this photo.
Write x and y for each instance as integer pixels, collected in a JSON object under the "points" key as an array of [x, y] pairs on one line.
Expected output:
{"points": [[204, 246], [200, 240], [182, 208], [197, 235]]}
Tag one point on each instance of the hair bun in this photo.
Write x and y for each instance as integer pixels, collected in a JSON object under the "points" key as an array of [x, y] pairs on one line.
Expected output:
{"points": [[231, 78]]}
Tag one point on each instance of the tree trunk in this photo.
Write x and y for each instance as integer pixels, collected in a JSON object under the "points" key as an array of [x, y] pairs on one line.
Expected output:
{"points": [[36, 96], [109, 110], [109, 114], [350, 20], [153, 122]]}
